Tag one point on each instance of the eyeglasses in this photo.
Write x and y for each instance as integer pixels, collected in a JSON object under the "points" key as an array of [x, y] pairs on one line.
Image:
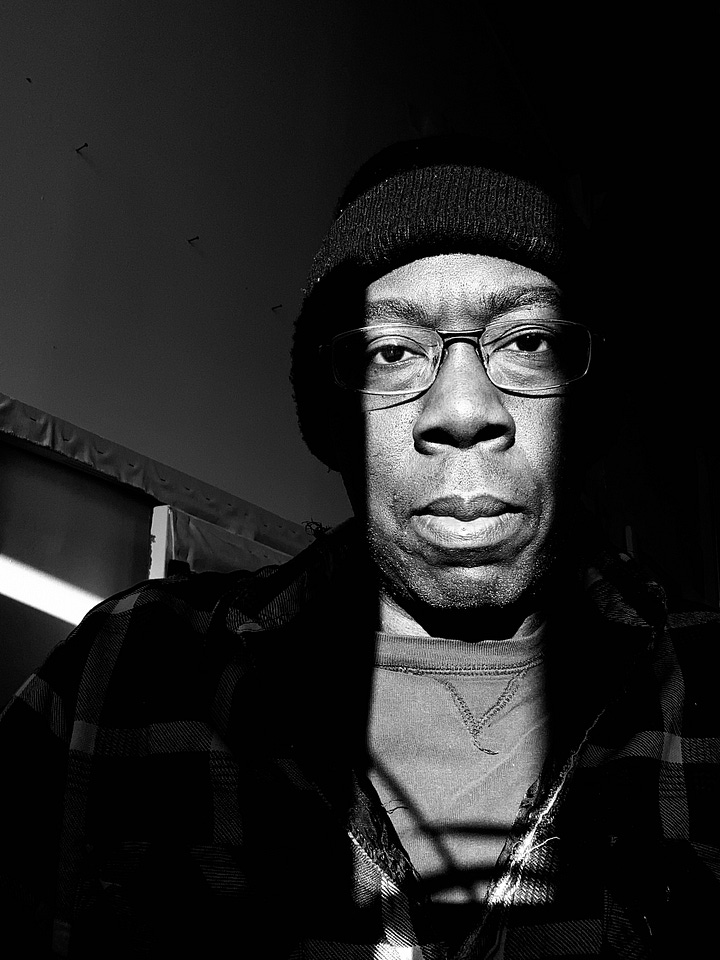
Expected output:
{"points": [[532, 357]]}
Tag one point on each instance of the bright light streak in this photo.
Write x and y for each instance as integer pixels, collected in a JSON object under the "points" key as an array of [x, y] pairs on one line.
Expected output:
{"points": [[44, 592]]}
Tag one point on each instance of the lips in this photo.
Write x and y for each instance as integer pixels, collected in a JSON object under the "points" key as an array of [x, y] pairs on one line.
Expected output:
{"points": [[468, 526], [468, 508]]}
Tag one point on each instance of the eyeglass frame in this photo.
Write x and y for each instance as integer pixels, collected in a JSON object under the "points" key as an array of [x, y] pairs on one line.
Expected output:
{"points": [[473, 337]]}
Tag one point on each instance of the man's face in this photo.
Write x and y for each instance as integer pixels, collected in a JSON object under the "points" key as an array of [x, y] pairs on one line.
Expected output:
{"points": [[459, 486]]}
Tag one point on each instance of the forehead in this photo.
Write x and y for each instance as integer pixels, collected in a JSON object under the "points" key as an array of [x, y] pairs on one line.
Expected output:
{"points": [[459, 283]]}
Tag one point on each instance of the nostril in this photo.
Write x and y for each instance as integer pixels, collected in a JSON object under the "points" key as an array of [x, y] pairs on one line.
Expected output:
{"points": [[443, 435]]}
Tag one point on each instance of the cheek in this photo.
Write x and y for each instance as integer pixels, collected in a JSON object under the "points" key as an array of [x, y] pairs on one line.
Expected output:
{"points": [[541, 433], [388, 445], [542, 446], [377, 457]]}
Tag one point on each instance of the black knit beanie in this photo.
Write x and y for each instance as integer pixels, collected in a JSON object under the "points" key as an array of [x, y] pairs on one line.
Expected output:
{"points": [[418, 199]]}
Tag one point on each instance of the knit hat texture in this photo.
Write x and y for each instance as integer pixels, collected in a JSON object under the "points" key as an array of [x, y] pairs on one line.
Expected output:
{"points": [[433, 196]]}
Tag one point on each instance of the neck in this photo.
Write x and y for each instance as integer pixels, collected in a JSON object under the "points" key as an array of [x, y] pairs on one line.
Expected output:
{"points": [[466, 625]]}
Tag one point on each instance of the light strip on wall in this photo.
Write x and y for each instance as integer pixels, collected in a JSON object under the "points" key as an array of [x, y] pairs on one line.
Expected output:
{"points": [[43, 592]]}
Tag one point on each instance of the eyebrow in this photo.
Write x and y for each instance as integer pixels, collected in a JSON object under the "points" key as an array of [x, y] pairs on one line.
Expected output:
{"points": [[485, 307]]}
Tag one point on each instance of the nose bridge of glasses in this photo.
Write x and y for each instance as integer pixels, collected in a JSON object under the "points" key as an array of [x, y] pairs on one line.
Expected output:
{"points": [[471, 337]]}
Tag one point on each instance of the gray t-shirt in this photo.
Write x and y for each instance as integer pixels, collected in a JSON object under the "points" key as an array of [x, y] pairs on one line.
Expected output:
{"points": [[457, 733]]}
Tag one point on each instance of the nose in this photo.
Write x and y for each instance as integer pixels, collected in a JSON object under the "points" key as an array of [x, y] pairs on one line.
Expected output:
{"points": [[462, 407]]}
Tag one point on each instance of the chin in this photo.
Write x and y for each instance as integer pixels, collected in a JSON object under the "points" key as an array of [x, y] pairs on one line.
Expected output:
{"points": [[481, 588], [499, 584]]}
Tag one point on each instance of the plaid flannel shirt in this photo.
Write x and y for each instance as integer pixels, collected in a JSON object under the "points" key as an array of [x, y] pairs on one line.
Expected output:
{"points": [[178, 781]]}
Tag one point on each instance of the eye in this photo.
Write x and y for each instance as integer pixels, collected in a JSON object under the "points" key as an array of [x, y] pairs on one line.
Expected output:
{"points": [[530, 342], [387, 352], [525, 338]]}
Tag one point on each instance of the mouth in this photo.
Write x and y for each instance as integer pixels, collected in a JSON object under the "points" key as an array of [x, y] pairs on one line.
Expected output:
{"points": [[483, 505], [467, 522]]}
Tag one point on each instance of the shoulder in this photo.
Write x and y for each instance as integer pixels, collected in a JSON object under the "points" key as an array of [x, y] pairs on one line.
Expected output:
{"points": [[690, 651], [188, 603], [693, 616], [161, 645], [694, 630], [155, 627]]}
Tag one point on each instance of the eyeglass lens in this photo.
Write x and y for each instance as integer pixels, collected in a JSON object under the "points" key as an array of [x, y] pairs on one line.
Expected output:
{"points": [[531, 356]]}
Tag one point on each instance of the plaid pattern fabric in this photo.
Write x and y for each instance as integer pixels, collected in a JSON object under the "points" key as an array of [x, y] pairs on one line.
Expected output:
{"points": [[177, 782]]}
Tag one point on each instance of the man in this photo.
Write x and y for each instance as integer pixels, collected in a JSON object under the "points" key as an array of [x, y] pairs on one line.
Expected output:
{"points": [[455, 727]]}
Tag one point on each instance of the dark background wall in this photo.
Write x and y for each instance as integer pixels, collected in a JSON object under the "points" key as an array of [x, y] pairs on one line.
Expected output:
{"points": [[132, 127]]}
